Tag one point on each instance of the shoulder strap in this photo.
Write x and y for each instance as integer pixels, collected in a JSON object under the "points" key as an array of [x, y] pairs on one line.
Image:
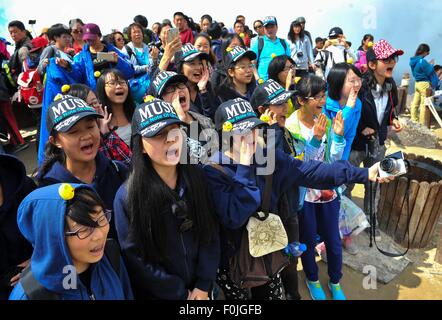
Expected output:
{"points": [[112, 252], [33, 289], [267, 194], [129, 50], [283, 43], [260, 48]]}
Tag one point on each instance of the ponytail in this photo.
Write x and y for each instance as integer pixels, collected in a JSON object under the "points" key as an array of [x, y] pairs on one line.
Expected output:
{"points": [[52, 155]]}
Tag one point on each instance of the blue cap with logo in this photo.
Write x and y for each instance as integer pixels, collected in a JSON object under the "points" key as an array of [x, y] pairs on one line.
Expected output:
{"points": [[66, 111], [270, 20], [153, 116], [188, 53], [237, 54], [163, 79], [270, 93]]}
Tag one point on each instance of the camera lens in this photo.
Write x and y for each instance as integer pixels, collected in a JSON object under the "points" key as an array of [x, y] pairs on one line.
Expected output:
{"points": [[300, 54], [389, 165]]}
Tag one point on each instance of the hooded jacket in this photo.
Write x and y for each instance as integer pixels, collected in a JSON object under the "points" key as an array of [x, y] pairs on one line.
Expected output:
{"points": [[109, 176], [83, 68], [238, 192], [190, 264], [225, 90], [423, 71], [41, 218], [14, 249]]}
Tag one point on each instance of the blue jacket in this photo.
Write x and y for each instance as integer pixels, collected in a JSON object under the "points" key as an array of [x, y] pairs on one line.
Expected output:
{"points": [[41, 217], [238, 196], [56, 77], [83, 68], [14, 248], [189, 266], [106, 183], [423, 71], [351, 119]]}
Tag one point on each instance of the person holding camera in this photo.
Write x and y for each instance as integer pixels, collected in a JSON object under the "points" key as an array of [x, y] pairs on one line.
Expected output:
{"points": [[301, 49], [379, 97]]}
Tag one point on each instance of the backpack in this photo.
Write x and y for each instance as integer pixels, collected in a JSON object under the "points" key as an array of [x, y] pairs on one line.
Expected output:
{"points": [[327, 55], [30, 86], [261, 47], [35, 291]]}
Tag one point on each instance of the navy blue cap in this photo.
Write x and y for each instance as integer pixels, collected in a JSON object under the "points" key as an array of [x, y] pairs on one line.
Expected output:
{"points": [[237, 54], [164, 78], [269, 20], [66, 111], [270, 93]]}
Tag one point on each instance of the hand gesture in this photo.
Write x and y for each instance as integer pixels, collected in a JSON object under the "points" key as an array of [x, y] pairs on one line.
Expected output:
{"points": [[290, 79], [205, 77], [351, 101], [338, 124], [198, 294], [247, 149], [368, 131], [177, 106], [373, 173], [62, 63], [397, 125], [104, 123], [271, 116], [320, 127]]}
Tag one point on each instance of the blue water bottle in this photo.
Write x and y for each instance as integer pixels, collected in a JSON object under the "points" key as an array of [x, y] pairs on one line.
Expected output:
{"points": [[295, 249]]}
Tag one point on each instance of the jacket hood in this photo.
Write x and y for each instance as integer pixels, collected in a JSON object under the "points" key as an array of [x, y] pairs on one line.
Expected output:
{"points": [[41, 220], [414, 61]]}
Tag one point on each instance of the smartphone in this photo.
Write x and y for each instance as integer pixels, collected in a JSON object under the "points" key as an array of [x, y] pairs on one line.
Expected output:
{"points": [[173, 33], [106, 56]]}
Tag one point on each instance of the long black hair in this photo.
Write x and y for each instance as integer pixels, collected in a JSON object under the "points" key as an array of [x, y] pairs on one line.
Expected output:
{"points": [[228, 41], [129, 104], [53, 154], [423, 48], [291, 35], [212, 57], [365, 38], [150, 201], [310, 86]]}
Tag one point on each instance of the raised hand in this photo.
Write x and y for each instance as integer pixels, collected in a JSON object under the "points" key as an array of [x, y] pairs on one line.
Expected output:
{"points": [[205, 78], [338, 124], [320, 127]]}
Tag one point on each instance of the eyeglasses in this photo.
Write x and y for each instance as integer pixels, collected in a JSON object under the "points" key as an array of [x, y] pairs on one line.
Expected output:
{"points": [[355, 82], [77, 31], [180, 210], [318, 98], [113, 83], [292, 67], [391, 59], [173, 87], [244, 67], [84, 232], [258, 27], [119, 39]]}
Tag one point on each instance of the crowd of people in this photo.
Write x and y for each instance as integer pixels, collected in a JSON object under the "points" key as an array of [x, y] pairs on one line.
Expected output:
{"points": [[154, 149]]}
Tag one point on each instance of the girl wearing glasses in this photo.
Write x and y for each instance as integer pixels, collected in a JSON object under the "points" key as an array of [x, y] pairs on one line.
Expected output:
{"points": [[164, 215], [72, 155], [113, 91], [322, 140], [68, 226], [240, 81]]}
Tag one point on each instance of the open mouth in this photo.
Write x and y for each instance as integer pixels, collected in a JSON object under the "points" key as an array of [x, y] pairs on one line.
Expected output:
{"points": [[390, 69], [172, 154], [97, 251], [119, 93], [197, 74], [88, 149]]}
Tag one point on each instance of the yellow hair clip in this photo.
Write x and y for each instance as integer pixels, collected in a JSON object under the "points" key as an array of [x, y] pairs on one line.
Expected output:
{"points": [[297, 79], [227, 126], [229, 49], [273, 55], [65, 88], [97, 74], [350, 60], [58, 97], [264, 118], [242, 35], [148, 98], [260, 81], [370, 44], [66, 191]]}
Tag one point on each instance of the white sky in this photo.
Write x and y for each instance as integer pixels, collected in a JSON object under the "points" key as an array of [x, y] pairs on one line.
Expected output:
{"points": [[405, 23]]}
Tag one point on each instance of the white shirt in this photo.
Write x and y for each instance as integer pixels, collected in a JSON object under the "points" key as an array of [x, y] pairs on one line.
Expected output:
{"points": [[380, 99], [125, 133]]}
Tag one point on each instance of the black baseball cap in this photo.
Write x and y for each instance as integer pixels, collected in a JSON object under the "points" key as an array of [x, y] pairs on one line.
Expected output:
{"points": [[269, 20], [237, 54], [334, 32], [153, 116], [163, 79], [188, 53], [270, 93], [239, 115], [66, 111]]}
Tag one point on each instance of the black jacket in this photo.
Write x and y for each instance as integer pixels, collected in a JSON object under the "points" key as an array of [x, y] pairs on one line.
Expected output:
{"points": [[14, 249], [16, 62], [369, 114]]}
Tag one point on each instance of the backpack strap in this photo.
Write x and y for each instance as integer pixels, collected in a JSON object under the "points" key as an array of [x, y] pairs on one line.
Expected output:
{"points": [[33, 289], [284, 44], [112, 252], [260, 48], [129, 50], [267, 194]]}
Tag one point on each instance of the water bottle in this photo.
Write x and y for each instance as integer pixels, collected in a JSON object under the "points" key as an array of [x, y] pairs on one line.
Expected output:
{"points": [[295, 249]]}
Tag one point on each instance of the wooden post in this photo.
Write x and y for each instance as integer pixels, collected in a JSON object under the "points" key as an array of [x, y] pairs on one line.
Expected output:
{"points": [[438, 257], [403, 93]]}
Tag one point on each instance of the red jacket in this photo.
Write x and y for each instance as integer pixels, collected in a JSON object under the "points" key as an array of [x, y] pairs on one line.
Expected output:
{"points": [[186, 36]]}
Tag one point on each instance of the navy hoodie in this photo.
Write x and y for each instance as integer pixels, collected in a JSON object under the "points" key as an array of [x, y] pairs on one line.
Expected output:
{"points": [[109, 176], [41, 217], [190, 264], [238, 196], [14, 249]]}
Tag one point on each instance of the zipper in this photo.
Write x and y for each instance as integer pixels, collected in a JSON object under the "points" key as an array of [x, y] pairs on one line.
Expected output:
{"points": [[185, 256]]}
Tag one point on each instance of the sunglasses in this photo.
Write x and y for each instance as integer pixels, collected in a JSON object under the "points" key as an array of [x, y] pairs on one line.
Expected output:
{"points": [[258, 27], [75, 31]]}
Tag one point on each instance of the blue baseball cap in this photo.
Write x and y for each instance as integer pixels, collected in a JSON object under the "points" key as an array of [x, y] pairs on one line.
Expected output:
{"points": [[163, 79], [270, 20]]}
